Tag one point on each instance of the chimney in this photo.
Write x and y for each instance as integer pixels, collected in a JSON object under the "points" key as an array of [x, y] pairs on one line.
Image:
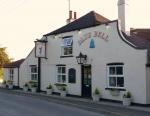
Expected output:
{"points": [[70, 14], [75, 15], [123, 15], [71, 18]]}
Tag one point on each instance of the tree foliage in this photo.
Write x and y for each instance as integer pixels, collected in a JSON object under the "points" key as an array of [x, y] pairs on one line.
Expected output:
{"points": [[4, 58]]}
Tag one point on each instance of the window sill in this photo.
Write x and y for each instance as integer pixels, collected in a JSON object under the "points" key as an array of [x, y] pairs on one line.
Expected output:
{"points": [[119, 89], [60, 84], [66, 56]]}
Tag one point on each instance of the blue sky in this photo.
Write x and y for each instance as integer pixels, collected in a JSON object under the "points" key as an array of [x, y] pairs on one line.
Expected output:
{"points": [[23, 21]]}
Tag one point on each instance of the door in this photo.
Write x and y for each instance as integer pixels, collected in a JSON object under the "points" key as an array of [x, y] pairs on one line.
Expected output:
{"points": [[86, 81]]}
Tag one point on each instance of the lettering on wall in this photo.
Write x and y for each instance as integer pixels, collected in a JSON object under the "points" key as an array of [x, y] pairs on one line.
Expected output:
{"points": [[94, 34]]}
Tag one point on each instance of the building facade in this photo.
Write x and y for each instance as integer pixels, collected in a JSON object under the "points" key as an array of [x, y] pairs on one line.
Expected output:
{"points": [[113, 60], [12, 72]]}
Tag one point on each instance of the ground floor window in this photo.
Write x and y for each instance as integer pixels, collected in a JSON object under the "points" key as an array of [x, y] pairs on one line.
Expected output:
{"points": [[34, 72], [11, 74], [115, 75], [61, 74]]}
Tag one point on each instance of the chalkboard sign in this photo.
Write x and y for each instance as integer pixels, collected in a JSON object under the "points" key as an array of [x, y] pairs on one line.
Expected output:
{"points": [[72, 75]]}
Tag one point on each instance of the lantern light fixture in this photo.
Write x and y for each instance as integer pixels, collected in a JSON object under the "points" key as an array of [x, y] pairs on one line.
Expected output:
{"points": [[81, 59]]}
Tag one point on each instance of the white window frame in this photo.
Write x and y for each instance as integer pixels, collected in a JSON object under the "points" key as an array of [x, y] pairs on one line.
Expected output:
{"points": [[11, 74], [115, 75], [61, 74], [34, 73], [68, 46]]}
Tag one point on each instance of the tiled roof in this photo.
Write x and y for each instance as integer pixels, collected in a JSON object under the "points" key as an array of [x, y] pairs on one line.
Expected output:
{"points": [[15, 64], [139, 37], [88, 20], [141, 40], [144, 33]]}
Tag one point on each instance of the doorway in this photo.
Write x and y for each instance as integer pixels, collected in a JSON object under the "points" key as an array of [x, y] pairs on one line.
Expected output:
{"points": [[86, 80]]}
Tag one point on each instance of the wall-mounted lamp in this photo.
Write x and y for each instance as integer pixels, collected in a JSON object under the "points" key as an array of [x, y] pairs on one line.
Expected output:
{"points": [[81, 59], [58, 36], [79, 32], [107, 26]]}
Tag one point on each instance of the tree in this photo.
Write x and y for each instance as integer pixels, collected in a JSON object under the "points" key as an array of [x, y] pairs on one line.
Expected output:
{"points": [[4, 58]]}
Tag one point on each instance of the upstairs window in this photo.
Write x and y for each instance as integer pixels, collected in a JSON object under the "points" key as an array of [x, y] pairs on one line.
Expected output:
{"points": [[34, 72], [115, 75], [66, 46]]}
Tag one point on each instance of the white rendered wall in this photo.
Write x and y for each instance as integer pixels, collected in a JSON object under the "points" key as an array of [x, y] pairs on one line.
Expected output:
{"points": [[113, 50], [25, 68], [6, 74], [15, 78]]}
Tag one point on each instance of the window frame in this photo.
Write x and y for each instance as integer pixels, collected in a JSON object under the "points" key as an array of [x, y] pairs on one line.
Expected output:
{"points": [[33, 73], [11, 74], [115, 75], [61, 74], [68, 48]]}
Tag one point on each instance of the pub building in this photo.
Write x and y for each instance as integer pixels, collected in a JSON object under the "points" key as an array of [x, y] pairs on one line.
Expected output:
{"points": [[92, 52]]}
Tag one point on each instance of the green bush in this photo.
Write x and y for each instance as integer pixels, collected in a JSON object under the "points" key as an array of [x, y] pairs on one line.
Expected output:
{"points": [[49, 86], [31, 82], [127, 94], [61, 86], [25, 85], [4, 82], [9, 81], [34, 85], [96, 92]]}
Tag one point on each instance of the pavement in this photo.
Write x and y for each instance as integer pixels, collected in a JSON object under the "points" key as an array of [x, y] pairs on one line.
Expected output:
{"points": [[103, 106]]}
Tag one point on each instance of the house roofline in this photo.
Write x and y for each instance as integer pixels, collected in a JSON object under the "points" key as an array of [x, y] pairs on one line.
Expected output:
{"points": [[48, 34]]}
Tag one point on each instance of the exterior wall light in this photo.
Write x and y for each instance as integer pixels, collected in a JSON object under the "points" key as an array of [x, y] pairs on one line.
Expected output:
{"points": [[107, 26], [81, 59]]}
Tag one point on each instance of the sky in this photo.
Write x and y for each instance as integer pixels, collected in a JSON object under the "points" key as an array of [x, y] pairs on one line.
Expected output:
{"points": [[24, 21]]}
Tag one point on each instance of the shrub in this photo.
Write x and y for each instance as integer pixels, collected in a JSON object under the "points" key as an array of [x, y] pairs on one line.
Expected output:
{"points": [[49, 86], [127, 94], [25, 85], [34, 85], [31, 82], [61, 86], [4, 82], [9, 81], [96, 92]]}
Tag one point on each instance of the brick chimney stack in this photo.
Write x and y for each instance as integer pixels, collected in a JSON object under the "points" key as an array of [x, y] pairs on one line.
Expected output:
{"points": [[70, 14], [75, 15], [72, 17]]}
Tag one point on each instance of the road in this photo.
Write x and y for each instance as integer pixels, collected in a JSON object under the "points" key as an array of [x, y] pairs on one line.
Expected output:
{"points": [[15, 105]]}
